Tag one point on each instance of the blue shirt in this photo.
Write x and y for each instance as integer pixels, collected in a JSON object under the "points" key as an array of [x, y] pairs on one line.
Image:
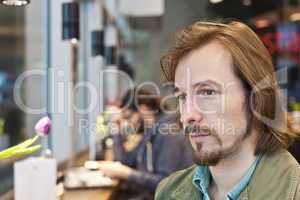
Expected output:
{"points": [[202, 179]]}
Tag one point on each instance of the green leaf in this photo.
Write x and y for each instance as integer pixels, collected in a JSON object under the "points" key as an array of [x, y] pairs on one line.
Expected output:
{"points": [[30, 150], [22, 146]]}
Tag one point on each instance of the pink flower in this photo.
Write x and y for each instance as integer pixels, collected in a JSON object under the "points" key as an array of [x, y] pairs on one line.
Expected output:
{"points": [[43, 126]]}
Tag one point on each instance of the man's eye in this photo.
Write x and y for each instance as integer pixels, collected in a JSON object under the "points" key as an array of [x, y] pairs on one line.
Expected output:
{"points": [[207, 92]]}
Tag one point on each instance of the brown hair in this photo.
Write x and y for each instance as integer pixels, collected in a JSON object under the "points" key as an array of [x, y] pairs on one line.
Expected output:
{"points": [[253, 65], [136, 97]]}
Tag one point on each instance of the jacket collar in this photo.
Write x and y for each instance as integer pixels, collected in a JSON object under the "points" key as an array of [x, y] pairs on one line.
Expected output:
{"points": [[186, 188], [275, 170]]}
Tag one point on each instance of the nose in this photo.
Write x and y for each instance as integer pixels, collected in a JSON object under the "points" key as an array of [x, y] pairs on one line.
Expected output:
{"points": [[190, 114], [192, 117]]}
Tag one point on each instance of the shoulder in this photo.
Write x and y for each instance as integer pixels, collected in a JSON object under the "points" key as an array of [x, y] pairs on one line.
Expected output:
{"points": [[297, 193], [283, 162], [170, 183], [276, 176], [282, 155]]}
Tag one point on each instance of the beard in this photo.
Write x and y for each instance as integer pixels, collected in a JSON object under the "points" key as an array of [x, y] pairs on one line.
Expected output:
{"points": [[214, 156]]}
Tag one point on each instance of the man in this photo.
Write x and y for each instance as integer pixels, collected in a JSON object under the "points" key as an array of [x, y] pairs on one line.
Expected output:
{"points": [[231, 113], [160, 152]]}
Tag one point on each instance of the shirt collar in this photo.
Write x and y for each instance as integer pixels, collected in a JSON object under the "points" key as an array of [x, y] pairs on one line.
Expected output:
{"points": [[202, 179]]}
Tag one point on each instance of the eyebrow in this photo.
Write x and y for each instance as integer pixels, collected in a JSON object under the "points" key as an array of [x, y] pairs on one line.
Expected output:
{"points": [[200, 83], [207, 83]]}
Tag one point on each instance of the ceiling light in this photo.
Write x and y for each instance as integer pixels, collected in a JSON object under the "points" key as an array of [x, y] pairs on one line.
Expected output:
{"points": [[247, 2], [74, 41], [215, 1], [70, 21], [15, 2]]}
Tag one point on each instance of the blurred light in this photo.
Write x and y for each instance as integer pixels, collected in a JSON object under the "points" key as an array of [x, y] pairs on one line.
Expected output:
{"points": [[74, 41], [91, 165], [261, 23], [247, 2], [15, 2], [295, 17], [215, 1]]}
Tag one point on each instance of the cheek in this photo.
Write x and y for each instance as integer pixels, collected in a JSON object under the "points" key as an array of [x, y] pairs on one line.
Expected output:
{"points": [[235, 106], [232, 122]]}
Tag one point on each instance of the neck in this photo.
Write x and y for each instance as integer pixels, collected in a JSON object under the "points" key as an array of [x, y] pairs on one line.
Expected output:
{"points": [[227, 173]]}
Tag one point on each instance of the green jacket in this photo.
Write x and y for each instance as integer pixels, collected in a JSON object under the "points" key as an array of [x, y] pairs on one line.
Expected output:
{"points": [[277, 177]]}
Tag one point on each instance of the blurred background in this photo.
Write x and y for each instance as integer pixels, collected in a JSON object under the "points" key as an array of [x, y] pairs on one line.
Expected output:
{"points": [[54, 39]]}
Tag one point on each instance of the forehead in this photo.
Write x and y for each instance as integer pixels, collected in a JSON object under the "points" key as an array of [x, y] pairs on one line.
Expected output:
{"points": [[209, 62]]}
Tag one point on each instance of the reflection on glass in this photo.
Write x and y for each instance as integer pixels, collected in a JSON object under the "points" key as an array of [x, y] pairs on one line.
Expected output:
{"points": [[20, 50]]}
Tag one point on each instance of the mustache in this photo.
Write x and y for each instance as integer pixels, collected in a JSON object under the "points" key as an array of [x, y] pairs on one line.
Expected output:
{"points": [[194, 128]]}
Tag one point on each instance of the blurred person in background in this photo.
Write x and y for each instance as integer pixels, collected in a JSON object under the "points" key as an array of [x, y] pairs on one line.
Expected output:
{"points": [[159, 152], [223, 73]]}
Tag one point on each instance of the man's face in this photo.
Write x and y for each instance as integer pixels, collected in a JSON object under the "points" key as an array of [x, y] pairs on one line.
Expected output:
{"points": [[212, 103], [129, 121]]}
